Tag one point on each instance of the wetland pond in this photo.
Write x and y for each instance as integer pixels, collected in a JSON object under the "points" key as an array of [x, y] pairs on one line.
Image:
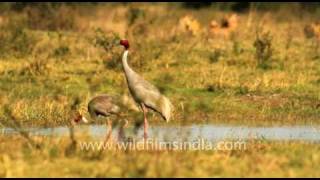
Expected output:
{"points": [[189, 133]]}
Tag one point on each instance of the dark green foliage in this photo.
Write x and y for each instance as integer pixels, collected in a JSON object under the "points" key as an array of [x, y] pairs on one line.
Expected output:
{"points": [[61, 51]]}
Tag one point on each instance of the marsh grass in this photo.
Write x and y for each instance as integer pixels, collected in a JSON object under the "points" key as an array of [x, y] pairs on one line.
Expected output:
{"points": [[284, 159]]}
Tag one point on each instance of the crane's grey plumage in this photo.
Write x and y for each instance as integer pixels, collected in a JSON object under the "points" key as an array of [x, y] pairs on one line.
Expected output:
{"points": [[103, 105], [143, 92], [106, 105]]}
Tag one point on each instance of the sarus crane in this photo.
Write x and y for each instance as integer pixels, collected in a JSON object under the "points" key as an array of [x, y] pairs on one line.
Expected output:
{"points": [[105, 105], [146, 95]]}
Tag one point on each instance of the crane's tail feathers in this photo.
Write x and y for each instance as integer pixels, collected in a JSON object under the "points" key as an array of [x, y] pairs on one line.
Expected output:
{"points": [[166, 108]]}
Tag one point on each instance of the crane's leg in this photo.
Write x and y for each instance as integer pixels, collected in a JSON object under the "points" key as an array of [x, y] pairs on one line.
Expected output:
{"points": [[109, 131], [145, 125], [121, 134]]}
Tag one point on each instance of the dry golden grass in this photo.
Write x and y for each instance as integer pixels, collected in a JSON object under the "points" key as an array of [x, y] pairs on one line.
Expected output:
{"points": [[283, 159]]}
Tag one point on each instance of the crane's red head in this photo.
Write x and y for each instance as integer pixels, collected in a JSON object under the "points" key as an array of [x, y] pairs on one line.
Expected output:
{"points": [[78, 118], [125, 43]]}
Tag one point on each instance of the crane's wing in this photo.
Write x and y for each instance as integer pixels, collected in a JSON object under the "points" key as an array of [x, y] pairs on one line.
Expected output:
{"points": [[148, 86], [103, 104], [145, 90]]}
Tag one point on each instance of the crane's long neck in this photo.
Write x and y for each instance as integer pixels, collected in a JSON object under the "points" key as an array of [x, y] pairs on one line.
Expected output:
{"points": [[127, 70]]}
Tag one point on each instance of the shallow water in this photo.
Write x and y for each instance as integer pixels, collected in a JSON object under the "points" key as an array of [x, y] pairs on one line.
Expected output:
{"points": [[190, 133]]}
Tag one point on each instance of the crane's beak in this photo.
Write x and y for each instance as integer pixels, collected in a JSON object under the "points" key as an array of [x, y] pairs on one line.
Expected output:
{"points": [[84, 119]]}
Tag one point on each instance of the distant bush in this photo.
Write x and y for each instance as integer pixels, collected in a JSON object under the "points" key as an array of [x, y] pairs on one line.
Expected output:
{"points": [[196, 5], [138, 22], [15, 39], [310, 6], [4, 7], [107, 42], [245, 6], [48, 16], [134, 14], [21, 6], [104, 40], [61, 51]]}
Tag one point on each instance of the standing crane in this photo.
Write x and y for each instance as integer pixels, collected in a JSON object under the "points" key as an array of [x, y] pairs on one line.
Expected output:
{"points": [[145, 94]]}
